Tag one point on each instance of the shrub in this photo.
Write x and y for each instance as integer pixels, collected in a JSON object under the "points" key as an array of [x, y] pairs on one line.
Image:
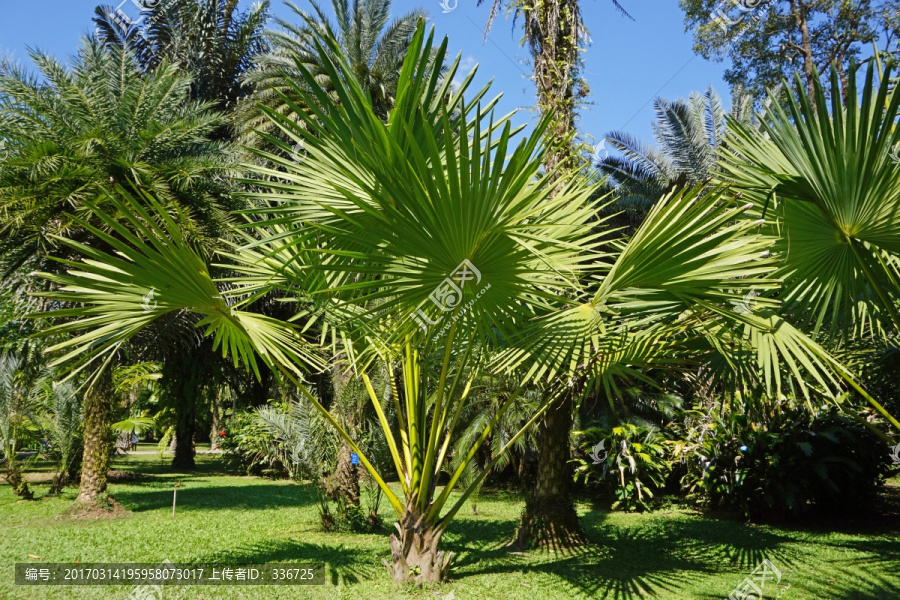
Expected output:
{"points": [[795, 464], [626, 463], [246, 447]]}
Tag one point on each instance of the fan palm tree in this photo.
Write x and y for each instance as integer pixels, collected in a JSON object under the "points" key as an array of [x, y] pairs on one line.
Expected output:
{"points": [[828, 188], [429, 242], [827, 185], [210, 40], [373, 45]]}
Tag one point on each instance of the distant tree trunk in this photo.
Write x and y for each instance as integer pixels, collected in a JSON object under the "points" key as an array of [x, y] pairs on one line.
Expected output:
{"points": [[184, 449], [345, 479], [214, 434], [801, 18], [183, 383], [97, 440], [549, 519], [343, 484]]}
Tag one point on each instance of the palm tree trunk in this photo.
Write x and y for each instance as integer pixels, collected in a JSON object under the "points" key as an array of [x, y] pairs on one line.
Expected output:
{"points": [[346, 480], [97, 442], [184, 447], [415, 557], [183, 381], [552, 33], [549, 519], [16, 480], [214, 434]]}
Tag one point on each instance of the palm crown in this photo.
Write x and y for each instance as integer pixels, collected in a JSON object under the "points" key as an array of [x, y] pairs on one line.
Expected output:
{"points": [[79, 131], [373, 45]]}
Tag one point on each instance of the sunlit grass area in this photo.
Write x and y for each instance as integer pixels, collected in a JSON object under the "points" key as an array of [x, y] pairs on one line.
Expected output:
{"points": [[669, 554]]}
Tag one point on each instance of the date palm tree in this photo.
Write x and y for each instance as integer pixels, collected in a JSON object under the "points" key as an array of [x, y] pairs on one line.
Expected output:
{"points": [[76, 131], [688, 133], [373, 45], [211, 40], [429, 243]]}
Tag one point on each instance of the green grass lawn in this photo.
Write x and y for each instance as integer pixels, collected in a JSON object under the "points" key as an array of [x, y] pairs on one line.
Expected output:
{"points": [[669, 554]]}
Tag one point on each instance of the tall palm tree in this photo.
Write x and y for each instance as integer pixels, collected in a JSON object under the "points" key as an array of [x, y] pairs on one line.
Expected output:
{"points": [[429, 242], [74, 132], [363, 32], [688, 134], [554, 33]]}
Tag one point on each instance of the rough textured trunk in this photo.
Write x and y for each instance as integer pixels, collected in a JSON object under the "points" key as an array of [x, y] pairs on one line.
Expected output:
{"points": [[801, 18], [549, 519], [97, 440], [60, 480], [551, 30], [182, 380], [344, 482], [184, 448], [415, 557], [17, 481]]}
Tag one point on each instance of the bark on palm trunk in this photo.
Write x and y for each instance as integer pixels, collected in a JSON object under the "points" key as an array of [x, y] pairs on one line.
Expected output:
{"points": [[415, 557], [184, 384], [214, 434], [549, 518], [552, 29], [97, 440], [17, 481], [346, 480]]}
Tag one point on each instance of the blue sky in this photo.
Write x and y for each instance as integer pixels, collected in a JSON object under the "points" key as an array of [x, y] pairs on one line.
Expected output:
{"points": [[627, 65]]}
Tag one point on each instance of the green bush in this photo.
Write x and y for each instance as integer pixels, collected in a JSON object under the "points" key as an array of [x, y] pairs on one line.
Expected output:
{"points": [[627, 464], [247, 447], [794, 465]]}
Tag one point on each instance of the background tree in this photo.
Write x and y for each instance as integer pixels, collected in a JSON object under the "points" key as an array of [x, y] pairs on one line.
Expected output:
{"points": [[364, 35], [688, 134], [769, 41], [77, 131], [210, 40]]}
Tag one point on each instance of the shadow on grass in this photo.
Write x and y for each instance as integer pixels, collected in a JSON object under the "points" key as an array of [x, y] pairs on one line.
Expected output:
{"points": [[881, 557], [154, 495], [344, 564], [657, 558]]}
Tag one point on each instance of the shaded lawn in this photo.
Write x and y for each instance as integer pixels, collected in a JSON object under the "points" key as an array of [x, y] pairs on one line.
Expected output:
{"points": [[670, 554]]}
